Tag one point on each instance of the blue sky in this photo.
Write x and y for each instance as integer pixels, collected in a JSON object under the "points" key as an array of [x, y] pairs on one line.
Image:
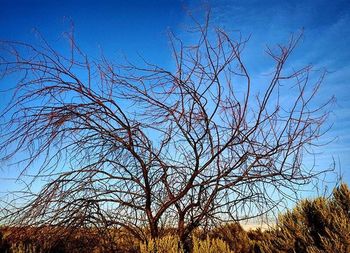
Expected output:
{"points": [[139, 27]]}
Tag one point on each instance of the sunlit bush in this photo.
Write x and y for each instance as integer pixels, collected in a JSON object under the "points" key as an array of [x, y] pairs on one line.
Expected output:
{"points": [[234, 235], [210, 245], [319, 225], [166, 244]]}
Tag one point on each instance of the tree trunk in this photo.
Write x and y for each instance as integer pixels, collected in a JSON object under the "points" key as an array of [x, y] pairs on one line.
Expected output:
{"points": [[154, 230], [183, 233], [186, 242]]}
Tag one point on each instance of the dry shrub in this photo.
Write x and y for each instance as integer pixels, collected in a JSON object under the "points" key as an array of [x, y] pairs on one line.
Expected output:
{"points": [[234, 235], [315, 226], [210, 245], [260, 241], [165, 244], [171, 244], [53, 239]]}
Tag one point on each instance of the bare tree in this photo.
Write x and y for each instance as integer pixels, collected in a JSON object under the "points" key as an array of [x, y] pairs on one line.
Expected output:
{"points": [[146, 147]]}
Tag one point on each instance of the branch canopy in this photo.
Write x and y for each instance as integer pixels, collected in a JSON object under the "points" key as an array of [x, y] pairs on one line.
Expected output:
{"points": [[123, 145]]}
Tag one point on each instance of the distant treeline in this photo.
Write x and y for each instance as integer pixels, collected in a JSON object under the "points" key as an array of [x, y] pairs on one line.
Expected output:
{"points": [[313, 226]]}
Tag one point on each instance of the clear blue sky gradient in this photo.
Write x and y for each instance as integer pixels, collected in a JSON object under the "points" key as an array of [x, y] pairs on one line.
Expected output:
{"points": [[140, 27]]}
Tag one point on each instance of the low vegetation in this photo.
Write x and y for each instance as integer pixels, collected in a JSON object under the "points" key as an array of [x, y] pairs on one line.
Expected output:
{"points": [[313, 226]]}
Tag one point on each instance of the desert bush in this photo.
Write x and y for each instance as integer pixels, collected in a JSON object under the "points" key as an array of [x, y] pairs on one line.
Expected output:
{"points": [[51, 240], [172, 244], [165, 244], [260, 241], [234, 235], [341, 199], [3, 242], [319, 225], [210, 245]]}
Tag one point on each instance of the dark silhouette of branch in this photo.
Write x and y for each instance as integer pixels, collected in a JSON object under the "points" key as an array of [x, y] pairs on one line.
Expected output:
{"points": [[143, 147]]}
